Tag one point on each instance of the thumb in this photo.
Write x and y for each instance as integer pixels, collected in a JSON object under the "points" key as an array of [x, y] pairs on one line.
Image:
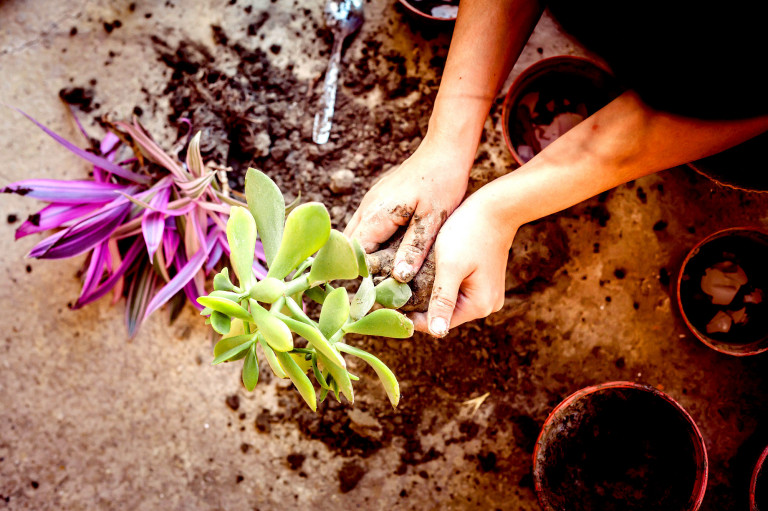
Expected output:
{"points": [[442, 303]]}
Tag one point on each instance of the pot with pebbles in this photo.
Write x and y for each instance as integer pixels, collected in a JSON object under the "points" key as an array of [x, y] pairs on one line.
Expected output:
{"points": [[549, 98], [721, 291], [435, 10], [620, 446]]}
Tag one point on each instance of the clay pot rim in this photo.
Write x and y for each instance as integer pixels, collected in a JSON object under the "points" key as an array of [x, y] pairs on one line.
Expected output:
{"points": [[753, 481], [693, 165], [423, 14], [523, 78], [700, 449], [692, 253]]}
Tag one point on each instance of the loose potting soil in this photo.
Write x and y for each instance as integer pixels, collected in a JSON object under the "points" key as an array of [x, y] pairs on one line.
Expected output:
{"points": [[619, 450]]}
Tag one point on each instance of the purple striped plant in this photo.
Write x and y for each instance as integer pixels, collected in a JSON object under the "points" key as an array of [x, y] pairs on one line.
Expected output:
{"points": [[154, 227]]}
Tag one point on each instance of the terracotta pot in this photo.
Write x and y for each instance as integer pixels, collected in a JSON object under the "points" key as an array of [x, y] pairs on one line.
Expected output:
{"points": [[747, 247], [411, 6], [758, 486], [620, 445], [579, 80], [741, 167]]}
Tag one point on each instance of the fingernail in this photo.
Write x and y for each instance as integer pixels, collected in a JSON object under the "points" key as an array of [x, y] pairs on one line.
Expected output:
{"points": [[439, 327], [403, 271]]}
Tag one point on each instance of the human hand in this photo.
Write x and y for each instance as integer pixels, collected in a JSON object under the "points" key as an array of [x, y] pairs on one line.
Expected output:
{"points": [[471, 253], [421, 193]]}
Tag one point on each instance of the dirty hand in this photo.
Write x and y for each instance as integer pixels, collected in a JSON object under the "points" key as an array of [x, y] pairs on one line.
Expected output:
{"points": [[471, 253], [421, 193]]}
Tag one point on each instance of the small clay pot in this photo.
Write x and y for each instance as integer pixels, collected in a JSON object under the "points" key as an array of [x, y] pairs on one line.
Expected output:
{"points": [[620, 446], [574, 86], [758, 486], [748, 248], [741, 167], [413, 7]]}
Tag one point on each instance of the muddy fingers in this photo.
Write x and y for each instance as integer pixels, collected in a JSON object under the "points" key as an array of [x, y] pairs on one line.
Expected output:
{"points": [[416, 243]]}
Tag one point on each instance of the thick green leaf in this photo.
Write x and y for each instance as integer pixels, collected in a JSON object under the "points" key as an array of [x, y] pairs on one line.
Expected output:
{"points": [[392, 294], [316, 339], [221, 281], [299, 379], [220, 322], [228, 348], [386, 376], [319, 375], [241, 235], [251, 369], [224, 306], [267, 205], [228, 295], [383, 322], [339, 376], [336, 260], [317, 294], [269, 353], [363, 300], [362, 263], [307, 228], [301, 361], [335, 312], [276, 333], [268, 290]]}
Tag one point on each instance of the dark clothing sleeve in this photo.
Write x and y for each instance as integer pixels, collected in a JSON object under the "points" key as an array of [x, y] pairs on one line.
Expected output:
{"points": [[698, 59]]}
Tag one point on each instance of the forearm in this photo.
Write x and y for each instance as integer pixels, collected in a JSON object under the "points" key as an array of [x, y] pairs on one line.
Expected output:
{"points": [[487, 40], [623, 141]]}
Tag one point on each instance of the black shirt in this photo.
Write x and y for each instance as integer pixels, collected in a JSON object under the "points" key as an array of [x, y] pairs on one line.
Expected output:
{"points": [[698, 59]]}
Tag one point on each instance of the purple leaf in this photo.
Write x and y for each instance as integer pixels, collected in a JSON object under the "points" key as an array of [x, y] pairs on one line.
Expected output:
{"points": [[153, 222], [104, 288], [216, 252], [67, 192], [54, 216], [142, 287], [186, 273], [90, 157], [171, 242], [93, 274], [107, 148], [151, 149], [83, 235]]}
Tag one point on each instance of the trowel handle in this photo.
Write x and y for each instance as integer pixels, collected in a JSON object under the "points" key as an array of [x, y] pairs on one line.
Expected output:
{"points": [[323, 120]]}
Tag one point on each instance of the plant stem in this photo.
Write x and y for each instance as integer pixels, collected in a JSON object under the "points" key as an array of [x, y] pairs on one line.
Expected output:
{"points": [[297, 312], [297, 286]]}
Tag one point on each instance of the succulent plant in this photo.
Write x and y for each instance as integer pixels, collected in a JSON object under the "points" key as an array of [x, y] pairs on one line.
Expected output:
{"points": [[303, 255]]}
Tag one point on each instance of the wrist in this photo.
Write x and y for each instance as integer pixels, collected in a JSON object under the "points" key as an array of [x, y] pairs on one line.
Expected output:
{"points": [[456, 129]]}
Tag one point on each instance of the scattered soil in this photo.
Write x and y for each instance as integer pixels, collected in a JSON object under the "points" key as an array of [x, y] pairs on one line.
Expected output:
{"points": [[618, 449], [747, 251], [263, 116]]}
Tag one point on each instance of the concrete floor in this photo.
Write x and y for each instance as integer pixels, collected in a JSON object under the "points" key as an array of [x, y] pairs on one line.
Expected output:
{"points": [[91, 420]]}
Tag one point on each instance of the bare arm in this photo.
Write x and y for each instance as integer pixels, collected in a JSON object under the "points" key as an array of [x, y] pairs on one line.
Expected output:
{"points": [[488, 37], [623, 141]]}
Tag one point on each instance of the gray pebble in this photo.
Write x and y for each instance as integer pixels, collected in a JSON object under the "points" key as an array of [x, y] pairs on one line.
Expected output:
{"points": [[342, 181]]}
